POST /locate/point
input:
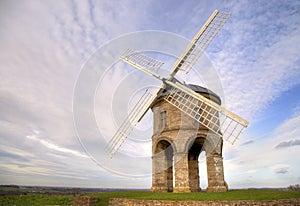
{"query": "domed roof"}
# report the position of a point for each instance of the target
(203, 90)
(198, 89)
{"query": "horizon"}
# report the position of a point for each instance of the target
(115, 188)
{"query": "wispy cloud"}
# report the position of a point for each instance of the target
(247, 142)
(266, 155)
(43, 45)
(281, 169)
(288, 144)
(54, 147)
(288, 130)
(257, 54)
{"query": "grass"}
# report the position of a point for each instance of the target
(36, 200)
(200, 196)
(104, 197)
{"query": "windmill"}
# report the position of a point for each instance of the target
(214, 117)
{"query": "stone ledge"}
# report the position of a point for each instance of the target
(135, 202)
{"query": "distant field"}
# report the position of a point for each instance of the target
(43, 199)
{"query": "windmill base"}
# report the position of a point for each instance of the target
(159, 189)
(181, 189)
(217, 189)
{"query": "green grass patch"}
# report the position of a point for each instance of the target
(199, 196)
(36, 200)
(40, 200)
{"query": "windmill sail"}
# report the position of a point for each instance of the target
(149, 66)
(142, 62)
(129, 123)
(200, 42)
(216, 118)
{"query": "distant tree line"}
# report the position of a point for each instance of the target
(294, 187)
(11, 186)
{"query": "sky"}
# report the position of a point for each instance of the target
(64, 92)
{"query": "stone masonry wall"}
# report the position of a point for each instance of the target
(169, 132)
(80, 200)
(133, 202)
(178, 133)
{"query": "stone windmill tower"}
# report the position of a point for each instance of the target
(187, 120)
(176, 145)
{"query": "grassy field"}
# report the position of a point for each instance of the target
(36, 200)
(104, 197)
(230, 195)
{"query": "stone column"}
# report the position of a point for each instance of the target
(169, 175)
(215, 174)
(159, 174)
(181, 173)
(194, 175)
(169, 169)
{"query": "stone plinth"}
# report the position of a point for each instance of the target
(80, 200)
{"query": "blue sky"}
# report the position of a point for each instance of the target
(45, 46)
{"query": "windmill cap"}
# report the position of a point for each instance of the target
(201, 90)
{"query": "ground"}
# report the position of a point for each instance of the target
(50, 199)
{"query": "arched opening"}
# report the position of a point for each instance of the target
(193, 164)
(163, 166)
(202, 170)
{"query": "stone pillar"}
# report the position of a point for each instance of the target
(181, 173)
(169, 173)
(194, 175)
(215, 174)
(159, 174)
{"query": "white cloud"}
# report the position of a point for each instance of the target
(257, 55)
(288, 143)
(43, 45)
(29, 170)
(54, 147)
(288, 130)
(281, 169)
(16, 151)
(267, 157)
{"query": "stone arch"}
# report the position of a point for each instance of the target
(163, 138)
(190, 141)
(162, 165)
(194, 148)
(212, 145)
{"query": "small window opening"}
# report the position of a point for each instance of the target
(163, 119)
